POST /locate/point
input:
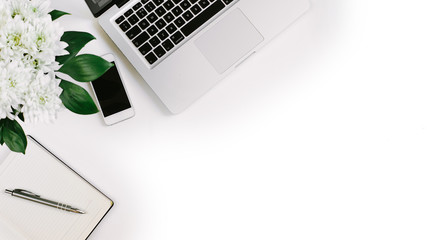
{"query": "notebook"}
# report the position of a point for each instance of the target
(41, 172)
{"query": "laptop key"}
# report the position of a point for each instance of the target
(169, 17)
(146, 48)
(177, 38)
(187, 15)
(152, 18)
(154, 41)
(177, 11)
(120, 19)
(160, 11)
(171, 28)
(204, 3)
(163, 35)
(195, 9)
(144, 24)
(142, 38)
(158, 2)
(125, 26)
(193, 1)
(128, 13)
(179, 22)
(150, 7)
(159, 51)
(168, 5)
(137, 6)
(133, 32)
(151, 58)
(141, 13)
(160, 24)
(204, 16)
(167, 45)
(133, 19)
(228, 1)
(152, 30)
(185, 5)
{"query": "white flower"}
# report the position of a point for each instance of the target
(42, 101)
(5, 15)
(29, 44)
(40, 8)
(15, 80)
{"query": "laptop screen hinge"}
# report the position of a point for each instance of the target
(120, 3)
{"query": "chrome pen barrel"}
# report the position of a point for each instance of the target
(36, 198)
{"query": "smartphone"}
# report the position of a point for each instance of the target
(111, 95)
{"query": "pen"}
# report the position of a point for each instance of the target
(27, 195)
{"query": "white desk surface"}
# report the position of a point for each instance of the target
(322, 135)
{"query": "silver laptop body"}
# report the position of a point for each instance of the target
(182, 48)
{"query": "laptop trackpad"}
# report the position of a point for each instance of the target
(229, 40)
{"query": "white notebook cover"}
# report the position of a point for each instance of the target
(41, 172)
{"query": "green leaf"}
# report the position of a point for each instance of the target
(21, 116)
(77, 99)
(86, 67)
(1, 132)
(55, 14)
(76, 41)
(14, 136)
(18, 113)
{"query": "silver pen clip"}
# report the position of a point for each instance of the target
(25, 192)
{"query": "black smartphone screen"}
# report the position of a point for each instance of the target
(111, 93)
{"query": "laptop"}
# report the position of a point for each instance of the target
(183, 48)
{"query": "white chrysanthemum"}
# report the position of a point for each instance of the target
(5, 15)
(38, 8)
(42, 101)
(29, 44)
(43, 43)
(15, 33)
(15, 80)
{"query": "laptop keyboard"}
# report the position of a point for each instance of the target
(156, 27)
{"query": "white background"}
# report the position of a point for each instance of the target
(322, 135)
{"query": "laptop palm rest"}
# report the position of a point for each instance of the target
(228, 41)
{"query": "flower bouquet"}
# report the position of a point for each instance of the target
(33, 49)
